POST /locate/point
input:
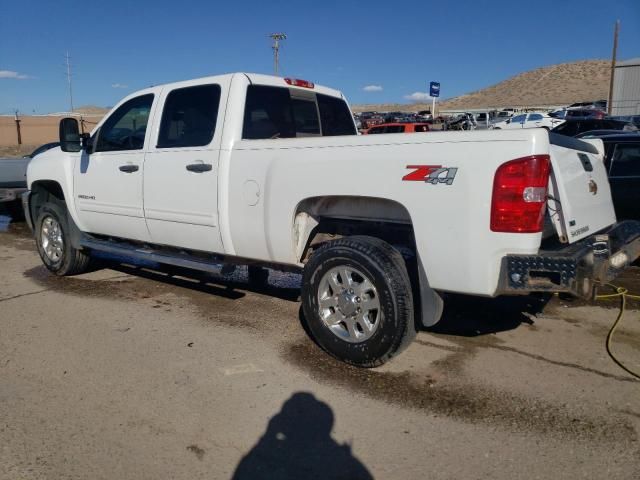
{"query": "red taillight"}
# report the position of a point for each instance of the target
(299, 83)
(520, 195)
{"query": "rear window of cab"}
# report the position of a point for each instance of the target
(277, 112)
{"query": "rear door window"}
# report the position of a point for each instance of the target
(189, 117)
(626, 161)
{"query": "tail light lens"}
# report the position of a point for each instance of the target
(520, 194)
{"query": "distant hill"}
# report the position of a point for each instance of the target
(91, 110)
(560, 84)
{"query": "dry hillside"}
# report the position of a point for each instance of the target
(553, 85)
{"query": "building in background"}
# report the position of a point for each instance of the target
(626, 88)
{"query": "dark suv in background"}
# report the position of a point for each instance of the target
(622, 159)
(573, 127)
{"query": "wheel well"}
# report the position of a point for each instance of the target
(321, 219)
(44, 191)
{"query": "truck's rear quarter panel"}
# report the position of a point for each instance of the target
(451, 222)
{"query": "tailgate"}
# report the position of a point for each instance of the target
(579, 195)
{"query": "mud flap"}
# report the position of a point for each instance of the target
(431, 303)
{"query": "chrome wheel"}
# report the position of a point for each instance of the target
(51, 239)
(348, 304)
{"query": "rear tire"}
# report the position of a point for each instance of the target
(53, 241)
(357, 300)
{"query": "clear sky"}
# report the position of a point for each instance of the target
(394, 48)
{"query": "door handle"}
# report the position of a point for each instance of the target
(199, 167)
(129, 168)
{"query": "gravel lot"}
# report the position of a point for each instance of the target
(134, 373)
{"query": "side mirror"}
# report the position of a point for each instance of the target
(69, 135)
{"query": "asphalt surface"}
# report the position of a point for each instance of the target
(136, 372)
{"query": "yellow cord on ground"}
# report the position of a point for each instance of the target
(623, 293)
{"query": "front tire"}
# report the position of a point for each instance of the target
(357, 300)
(54, 242)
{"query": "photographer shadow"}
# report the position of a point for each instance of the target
(298, 445)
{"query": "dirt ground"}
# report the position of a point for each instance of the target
(131, 372)
(36, 130)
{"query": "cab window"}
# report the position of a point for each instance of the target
(277, 112)
(305, 115)
(335, 116)
(125, 129)
(268, 113)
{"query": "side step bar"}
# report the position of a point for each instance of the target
(212, 264)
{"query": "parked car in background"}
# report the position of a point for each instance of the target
(601, 133)
(622, 160)
(423, 115)
(407, 127)
(528, 120)
(573, 127)
(391, 117)
(368, 121)
(466, 121)
(584, 113)
(635, 119)
(598, 104)
(13, 173)
(483, 120)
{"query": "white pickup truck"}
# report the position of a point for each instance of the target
(268, 171)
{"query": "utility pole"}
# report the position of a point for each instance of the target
(613, 66)
(277, 37)
(68, 58)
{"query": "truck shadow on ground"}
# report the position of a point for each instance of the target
(231, 286)
(469, 316)
(298, 445)
(10, 213)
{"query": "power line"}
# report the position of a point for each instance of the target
(277, 37)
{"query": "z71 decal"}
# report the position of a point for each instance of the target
(432, 174)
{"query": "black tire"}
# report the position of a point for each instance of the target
(71, 261)
(258, 276)
(385, 268)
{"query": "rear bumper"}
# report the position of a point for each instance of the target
(576, 268)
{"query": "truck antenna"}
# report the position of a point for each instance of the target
(277, 37)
